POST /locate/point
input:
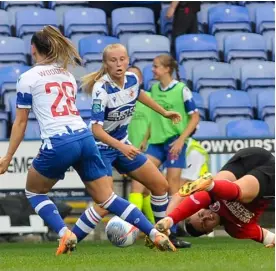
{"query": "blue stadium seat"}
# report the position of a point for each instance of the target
(148, 77)
(188, 67)
(5, 29)
(266, 104)
(33, 19)
(61, 7)
(12, 105)
(270, 121)
(228, 18)
(78, 73)
(200, 24)
(91, 48)
(200, 105)
(229, 103)
(70, 4)
(247, 129)
(7, 5)
(3, 124)
(253, 6)
(213, 75)
(256, 77)
(203, 13)
(273, 49)
(93, 66)
(80, 22)
(207, 129)
(182, 74)
(196, 47)
(269, 39)
(13, 7)
(244, 46)
(12, 51)
(261, 74)
(32, 129)
(265, 18)
(83, 103)
(132, 20)
(142, 49)
(8, 78)
(165, 24)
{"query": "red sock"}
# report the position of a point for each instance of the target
(226, 190)
(190, 205)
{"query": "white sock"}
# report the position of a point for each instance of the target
(210, 187)
(152, 234)
(62, 231)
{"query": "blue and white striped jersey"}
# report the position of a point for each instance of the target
(113, 106)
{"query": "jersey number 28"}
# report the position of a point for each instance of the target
(69, 107)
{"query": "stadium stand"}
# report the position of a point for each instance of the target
(60, 7)
(8, 78)
(207, 129)
(226, 105)
(12, 7)
(31, 20)
(83, 103)
(258, 77)
(244, 46)
(129, 21)
(211, 77)
(91, 48)
(81, 22)
(241, 34)
(165, 23)
(5, 28)
(200, 105)
(247, 129)
(148, 77)
(196, 47)
(3, 124)
(12, 51)
(265, 19)
(142, 49)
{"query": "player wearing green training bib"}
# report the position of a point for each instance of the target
(167, 145)
(167, 141)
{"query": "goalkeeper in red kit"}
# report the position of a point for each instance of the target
(235, 198)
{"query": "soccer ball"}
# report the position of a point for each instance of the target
(120, 233)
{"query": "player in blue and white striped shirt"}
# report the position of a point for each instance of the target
(114, 94)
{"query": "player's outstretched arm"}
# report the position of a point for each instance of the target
(187, 207)
(149, 102)
(17, 134)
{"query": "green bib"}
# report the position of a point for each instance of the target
(139, 123)
(172, 100)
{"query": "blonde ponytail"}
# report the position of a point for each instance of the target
(89, 80)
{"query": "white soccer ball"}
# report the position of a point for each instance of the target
(120, 233)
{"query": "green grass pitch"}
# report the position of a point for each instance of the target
(214, 254)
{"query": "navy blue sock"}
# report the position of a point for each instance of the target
(48, 211)
(86, 223)
(128, 212)
(159, 206)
